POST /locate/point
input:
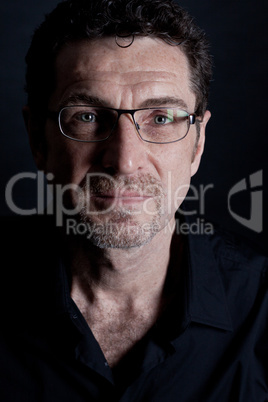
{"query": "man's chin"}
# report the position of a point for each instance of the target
(125, 238)
(122, 229)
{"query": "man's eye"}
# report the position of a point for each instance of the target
(162, 120)
(87, 117)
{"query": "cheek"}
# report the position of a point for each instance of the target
(176, 162)
(68, 160)
(175, 172)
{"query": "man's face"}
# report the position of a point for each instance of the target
(126, 188)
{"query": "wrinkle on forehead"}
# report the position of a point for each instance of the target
(146, 55)
(78, 73)
(94, 83)
(146, 67)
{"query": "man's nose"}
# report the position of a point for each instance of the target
(125, 152)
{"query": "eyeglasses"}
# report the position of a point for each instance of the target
(93, 123)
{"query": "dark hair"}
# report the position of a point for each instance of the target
(74, 20)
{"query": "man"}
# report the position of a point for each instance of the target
(108, 300)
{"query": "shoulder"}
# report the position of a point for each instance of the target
(229, 266)
(16, 224)
(24, 233)
(239, 251)
(28, 255)
(242, 267)
(27, 238)
(212, 240)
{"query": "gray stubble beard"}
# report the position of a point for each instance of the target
(119, 228)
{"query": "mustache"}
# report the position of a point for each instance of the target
(143, 185)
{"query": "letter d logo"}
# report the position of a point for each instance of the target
(256, 197)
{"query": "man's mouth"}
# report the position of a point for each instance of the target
(119, 197)
(106, 193)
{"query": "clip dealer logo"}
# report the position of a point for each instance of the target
(249, 214)
(254, 188)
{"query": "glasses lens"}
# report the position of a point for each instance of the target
(162, 125)
(84, 123)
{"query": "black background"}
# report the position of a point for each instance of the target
(237, 140)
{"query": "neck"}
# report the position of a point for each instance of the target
(130, 275)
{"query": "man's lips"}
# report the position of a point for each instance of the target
(128, 196)
(121, 194)
(141, 187)
(125, 194)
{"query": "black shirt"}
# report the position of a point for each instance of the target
(213, 348)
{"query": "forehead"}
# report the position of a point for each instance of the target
(147, 67)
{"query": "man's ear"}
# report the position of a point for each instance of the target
(36, 138)
(199, 148)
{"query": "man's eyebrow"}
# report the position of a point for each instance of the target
(164, 101)
(80, 98)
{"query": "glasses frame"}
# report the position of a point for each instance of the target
(57, 116)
